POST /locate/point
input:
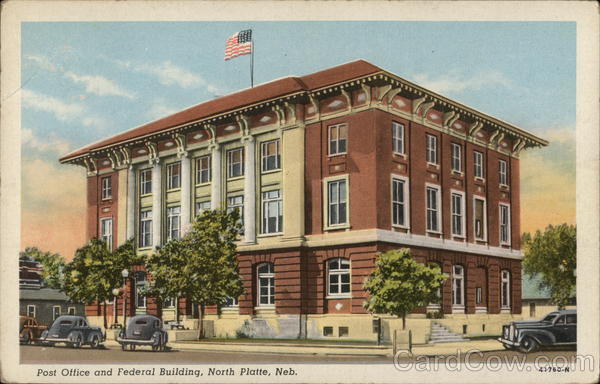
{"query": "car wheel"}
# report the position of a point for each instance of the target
(77, 342)
(95, 343)
(529, 345)
(123, 347)
(132, 347)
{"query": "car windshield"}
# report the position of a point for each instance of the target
(66, 322)
(140, 322)
(550, 317)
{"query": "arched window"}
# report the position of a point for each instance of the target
(266, 285)
(338, 277)
(458, 286)
(505, 289)
(140, 284)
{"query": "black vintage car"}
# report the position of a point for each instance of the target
(555, 329)
(143, 330)
(74, 331)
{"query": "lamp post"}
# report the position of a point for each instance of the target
(125, 274)
(115, 293)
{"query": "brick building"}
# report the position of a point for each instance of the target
(329, 170)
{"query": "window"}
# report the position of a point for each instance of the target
(478, 295)
(31, 310)
(479, 216)
(343, 331)
(266, 285)
(169, 302)
(203, 170)
(55, 312)
(145, 181)
(433, 209)
(531, 309)
(478, 164)
(140, 286)
(327, 331)
(272, 221)
(505, 289)
(145, 229)
(174, 175)
(399, 201)
(270, 155)
(432, 149)
(458, 215)
(456, 158)
(202, 206)
(235, 163)
(458, 279)
(502, 172)
(571, 319)
(71, 311)
(338, 276)
(231, 302)
(173, 223)
(337, 202)
(338, 137)
(106, 188)
(237, 202)
(504, 224)
(397, 137)
(106, 232)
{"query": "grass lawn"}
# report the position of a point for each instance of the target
(296, 341)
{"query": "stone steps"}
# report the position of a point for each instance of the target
(441, 334)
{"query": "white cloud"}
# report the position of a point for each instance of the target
(42, 62)
(96, 122)
(49, 143)
(456, 82)
(61, 110)
(99, 85)
(159, 109)
(169, 74)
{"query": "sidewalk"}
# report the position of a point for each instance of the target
(330, 349)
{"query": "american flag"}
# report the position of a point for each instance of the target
(239, 44)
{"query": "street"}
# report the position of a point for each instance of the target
(113, 354)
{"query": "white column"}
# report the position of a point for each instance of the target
(215, 193)
(186, 193)
(156, 204)
(249, 191)
(131, 202)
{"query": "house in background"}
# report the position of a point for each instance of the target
(536, 302)
(43, 303)
(328, 170)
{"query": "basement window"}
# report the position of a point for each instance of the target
(327, 331)
(343, 331)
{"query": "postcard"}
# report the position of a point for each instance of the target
(299, 192)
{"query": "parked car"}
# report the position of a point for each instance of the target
(29, 330)
(74, 331)
(143, 330)
(557, 328)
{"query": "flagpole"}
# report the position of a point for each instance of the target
(252, 66)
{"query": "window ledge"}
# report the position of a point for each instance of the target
(436, 166)
(146, 248)
(174, 189)
(458, 237)
(459, 173)
(203, 184)
(334, 227)
(146, 194)
(504, 186)
(266, 308)
(337, 154)
(234, 178)
(230, 309)
(402, 155)
(333, 297)
(106, 199)
(262, 235)
(429, 232)
(477, 178)
(504, 244)
(458, 308)
(270, 171)
(399, 226)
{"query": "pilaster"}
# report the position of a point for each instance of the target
(293, 183)
(131, 182)
(215, 192)
(156, 204)
(186, 179)
(249, 190)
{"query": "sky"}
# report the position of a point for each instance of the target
(84, 81)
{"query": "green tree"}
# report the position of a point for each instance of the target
(399, 284)
(52, 264)
(552, 255)
(95, 271)
(201, 267)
